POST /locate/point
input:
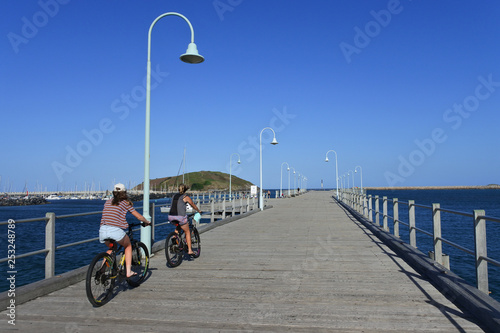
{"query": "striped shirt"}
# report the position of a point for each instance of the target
(115, 215)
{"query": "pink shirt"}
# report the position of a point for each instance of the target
(115, 215)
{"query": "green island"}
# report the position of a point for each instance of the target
(199, 181)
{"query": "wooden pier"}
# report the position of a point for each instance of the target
(305, 265)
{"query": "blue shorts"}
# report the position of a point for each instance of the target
(109, 231)
(181, 219)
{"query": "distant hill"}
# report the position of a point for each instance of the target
(199, 181)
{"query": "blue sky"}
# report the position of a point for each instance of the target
(407, 90)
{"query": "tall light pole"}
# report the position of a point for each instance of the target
(274, 142)
(350, 172)
(293, 181)
(336, 170)
(192, 57)
(361, 176)
(230, 164)
(281, 178)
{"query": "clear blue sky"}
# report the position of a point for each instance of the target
(408, 90)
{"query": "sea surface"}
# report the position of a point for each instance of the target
(455, 228)
(458, 229)
(31, 236)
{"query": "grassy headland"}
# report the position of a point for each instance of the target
(199, 181)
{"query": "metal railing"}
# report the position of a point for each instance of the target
(217, 207)
(362, 204)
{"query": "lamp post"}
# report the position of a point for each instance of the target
(230, 164)
(192, 57)
(273, 142)
(336, 170)
(349, 173)
(293, 181)
(361, 176)
(281, 178)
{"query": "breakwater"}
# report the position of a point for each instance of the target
(7, 201)
(478, 187)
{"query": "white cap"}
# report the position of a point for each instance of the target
(119, 188)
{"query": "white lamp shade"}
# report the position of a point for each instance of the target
(192, 56)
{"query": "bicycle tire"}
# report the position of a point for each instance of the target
(140, 264)
(100, 280)
(174, 251)
(195, 242)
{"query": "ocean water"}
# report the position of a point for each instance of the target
(455, 228)
(31, 236)
(458, 229)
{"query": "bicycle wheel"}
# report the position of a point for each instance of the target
(101, 277)
(140, 264)
(173, 249)
(195, 242)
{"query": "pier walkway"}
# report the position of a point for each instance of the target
(304, 265)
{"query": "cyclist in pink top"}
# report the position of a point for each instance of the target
(114, 222)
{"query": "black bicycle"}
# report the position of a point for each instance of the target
(105, 269)
(176, 246)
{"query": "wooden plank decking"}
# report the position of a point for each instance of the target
(302, 266)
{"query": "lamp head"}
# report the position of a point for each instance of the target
(192, 56)
(239, 162)
(274, 142)
(326, 159)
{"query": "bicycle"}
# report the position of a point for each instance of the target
(105, 269)
(176, 246)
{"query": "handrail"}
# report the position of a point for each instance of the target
(227, 207)
(357, 201)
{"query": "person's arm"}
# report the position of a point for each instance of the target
(141, 218)
(189, 201)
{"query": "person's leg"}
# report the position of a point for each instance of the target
(185, 227)
(125, 242)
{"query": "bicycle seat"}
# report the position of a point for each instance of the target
(112, 244)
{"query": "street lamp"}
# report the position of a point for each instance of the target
(336, 170)
(281, 178)
(351, 173)
(192, 57)
(293, 181)
(230, 164)
(274, 142)
(361, 176)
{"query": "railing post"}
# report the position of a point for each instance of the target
(248, 203)
(481, 251)
(366, 209)
(436, 222)
(224, 207)
(50, 245)
(395, 213)
(212, 209)
(384, 213)
(370, 209)
(152, 213)
(241, 204)
(411, 222)
(377, 213)
(233, 208)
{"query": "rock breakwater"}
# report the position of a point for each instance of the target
(8, 201)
